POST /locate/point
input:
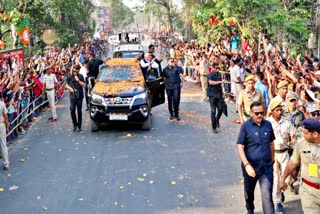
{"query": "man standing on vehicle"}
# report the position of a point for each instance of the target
(75, 84)
(92, 69)
(173, 81)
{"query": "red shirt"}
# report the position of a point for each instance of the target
(38, 87)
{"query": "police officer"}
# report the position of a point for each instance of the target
(75, 84)
(215, 94)
(307, 153)
(256, 150)
(282, 94)
(4, 129)
(283, 131)
(49, 82)
(248, 96)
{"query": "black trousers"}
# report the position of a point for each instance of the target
(216, 110)
(76, 104)
(173, 101)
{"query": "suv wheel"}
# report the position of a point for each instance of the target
(94, 126)
(147, 124)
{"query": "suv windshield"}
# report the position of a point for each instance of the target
(127, 54)
(119, 73)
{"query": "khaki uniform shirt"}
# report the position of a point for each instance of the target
(3, 110)
(246, 98)
(282, 131)
(302, 155)
(49, 80)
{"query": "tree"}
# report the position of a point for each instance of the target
(49, 13)
(121, 15)
(283, 20)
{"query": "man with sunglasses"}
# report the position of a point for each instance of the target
(307, 154)
(215, 94)
(283, 131)
(173, 81)
(256, 150)
(75, 84)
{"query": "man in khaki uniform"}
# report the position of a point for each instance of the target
(203, 70)
(283, 131)
(282, 93)
(4, 129)
(248, 96)
(49, 82)
(307, 153)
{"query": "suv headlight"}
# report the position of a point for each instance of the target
(141, 96)
(97, 99)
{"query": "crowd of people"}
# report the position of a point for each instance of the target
(277, 98)
(26, 89)
(278, 104)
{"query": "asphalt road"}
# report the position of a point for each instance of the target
(177, 167)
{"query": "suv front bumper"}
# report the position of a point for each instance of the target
(138, 114)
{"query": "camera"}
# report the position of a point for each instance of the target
(76, 93)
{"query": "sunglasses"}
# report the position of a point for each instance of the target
(259, 113)
(315, 114)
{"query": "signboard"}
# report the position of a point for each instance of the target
(49, 36)
(15, 53)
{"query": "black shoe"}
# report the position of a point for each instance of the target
(79, 130)
(178, 118)
(171, 118)
(6, 167)
(74, 129)
(215, 131)
(87, 109)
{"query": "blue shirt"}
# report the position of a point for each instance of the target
(264, 91)
(214, 90)
(256, 140)
(179, 69)
(171, 77)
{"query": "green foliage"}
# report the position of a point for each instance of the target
(121, 15)
(44, 14)
(283, 22)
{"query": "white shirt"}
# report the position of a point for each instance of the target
(282, 131)
(49, 80)
(3, 110)
(83, 71)
(172, 53)
(235, 73)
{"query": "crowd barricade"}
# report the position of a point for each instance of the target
(30, 109)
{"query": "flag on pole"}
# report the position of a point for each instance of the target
(24, 31)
